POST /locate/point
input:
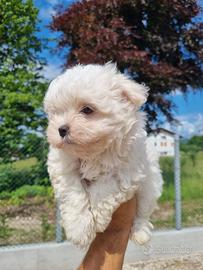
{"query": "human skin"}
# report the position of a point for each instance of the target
(108, 248)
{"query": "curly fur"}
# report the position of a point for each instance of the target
(104, 160)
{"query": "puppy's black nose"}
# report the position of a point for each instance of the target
(63, 130)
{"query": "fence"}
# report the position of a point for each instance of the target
(29, 213)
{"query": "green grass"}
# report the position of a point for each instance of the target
(191, 178)
(20, 195)
(192, 214)
(24, 164)
(191, 192)
(190, 189)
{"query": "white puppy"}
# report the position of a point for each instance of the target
(98, 154)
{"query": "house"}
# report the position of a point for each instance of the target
(163, 140)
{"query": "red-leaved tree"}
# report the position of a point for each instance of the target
(157, 42)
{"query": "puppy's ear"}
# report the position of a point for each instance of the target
(134, 92)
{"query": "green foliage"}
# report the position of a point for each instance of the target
(37, 147)
(47, 228)
(192, 147)
(5, 230)
(21, 88)
(17, 27)
(5, 195)
(29, 192)
(20, 195)
(34, 146)
(11, 179)
(191, 171)
(194, 144)
(40, 169)
(168, 193)
(17, 174)
(197, 141)
(191, 177)
(166, 164)
(190, 189)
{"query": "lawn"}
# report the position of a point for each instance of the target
(23, 164)
(191, 193)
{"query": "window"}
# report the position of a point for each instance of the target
(163, 137)
(163, 144)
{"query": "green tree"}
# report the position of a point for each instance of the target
(197, 141)
(21, 85)
(192, 146)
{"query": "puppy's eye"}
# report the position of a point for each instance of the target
(87, 110)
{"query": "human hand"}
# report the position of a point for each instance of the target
(107, 250)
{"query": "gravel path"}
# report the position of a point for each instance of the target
(189, 262)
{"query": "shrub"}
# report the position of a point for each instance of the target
(29, 191)
(166, 164)
(19, 196)
(13, 177)
(5, 195)
(10, 178)
(40, 174)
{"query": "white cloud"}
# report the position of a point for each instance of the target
(189, 125)
(51, 71)
(192, 124)
(47, 13)
(177, 92)
(49, 10)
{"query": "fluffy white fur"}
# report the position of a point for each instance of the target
(104, 160)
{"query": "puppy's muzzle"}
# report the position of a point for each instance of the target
(63, 130)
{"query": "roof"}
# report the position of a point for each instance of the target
(158, 130)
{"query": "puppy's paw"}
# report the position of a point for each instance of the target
(141, 232)
(80, 231)
(140, 237)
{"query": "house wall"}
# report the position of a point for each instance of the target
(163, 142)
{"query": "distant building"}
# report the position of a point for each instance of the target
(163, 140)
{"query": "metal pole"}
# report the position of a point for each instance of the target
(59, 235)
(177, 183)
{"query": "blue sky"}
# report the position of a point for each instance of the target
(189, 108)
